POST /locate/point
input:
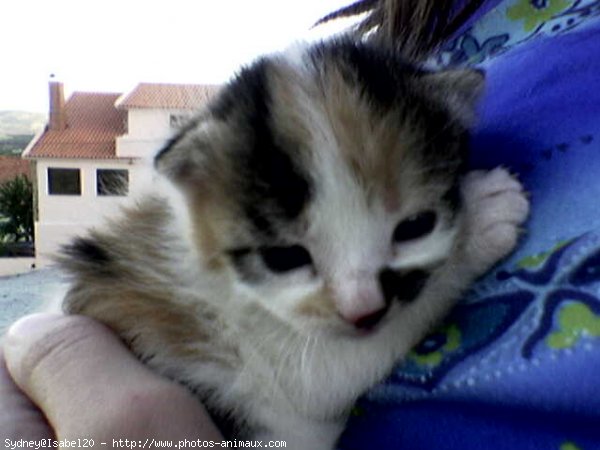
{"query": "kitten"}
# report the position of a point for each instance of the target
(320, 223)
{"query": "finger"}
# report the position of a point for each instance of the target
(90, 386)
(19, 417)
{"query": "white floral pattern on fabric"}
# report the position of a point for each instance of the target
(513, 23)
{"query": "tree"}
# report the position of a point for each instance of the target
(16, 210)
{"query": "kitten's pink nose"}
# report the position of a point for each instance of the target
(359, 301)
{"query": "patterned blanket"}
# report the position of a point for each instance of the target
(517, 364)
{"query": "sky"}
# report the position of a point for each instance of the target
(111, 45)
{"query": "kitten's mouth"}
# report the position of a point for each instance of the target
(370, 323)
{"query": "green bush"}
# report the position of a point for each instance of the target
(16, 210)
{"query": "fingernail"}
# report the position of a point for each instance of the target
(32, 324)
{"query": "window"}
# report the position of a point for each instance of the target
(64, 181)
(112, 182)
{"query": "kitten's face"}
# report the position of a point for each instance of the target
(328, 183)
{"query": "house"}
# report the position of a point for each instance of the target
(94, 152)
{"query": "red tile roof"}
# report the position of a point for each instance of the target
(167, 96)
(93, 124)
(12, 166)
(95, 120)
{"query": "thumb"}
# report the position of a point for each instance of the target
(90, 386)
(19, 418)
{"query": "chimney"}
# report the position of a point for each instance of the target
(58, 119)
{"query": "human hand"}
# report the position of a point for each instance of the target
(69, 377)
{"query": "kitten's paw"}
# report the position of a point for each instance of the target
(496, 206)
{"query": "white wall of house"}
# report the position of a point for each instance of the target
(148, 130)
(61, 217)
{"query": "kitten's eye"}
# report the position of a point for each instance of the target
(284, 259)
(415, 226)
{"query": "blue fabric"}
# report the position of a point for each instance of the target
(546, 127)
(517, 364)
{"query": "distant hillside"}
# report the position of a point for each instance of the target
(17, 128)
(14, 123)
(14, 145)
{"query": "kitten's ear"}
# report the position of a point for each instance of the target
(168, 160)
(458, 89)
(181, 159)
